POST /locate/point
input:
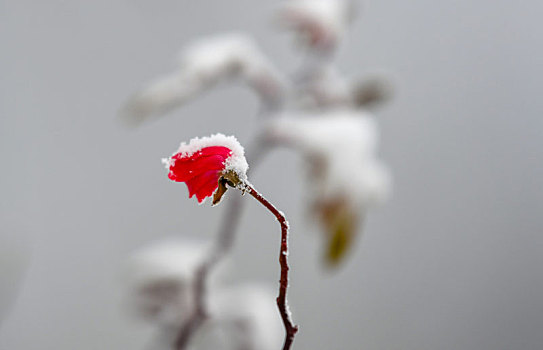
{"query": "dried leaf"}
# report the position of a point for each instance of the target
(340, 222)
(221, 190)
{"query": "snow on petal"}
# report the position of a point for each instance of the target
(236, 161)
(202, 162)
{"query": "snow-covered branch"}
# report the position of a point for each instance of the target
(202, 65)
(344, 174)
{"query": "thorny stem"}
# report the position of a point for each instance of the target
(282, 304)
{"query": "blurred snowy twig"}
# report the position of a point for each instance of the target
(203, 65)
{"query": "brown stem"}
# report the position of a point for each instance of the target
(282, 304)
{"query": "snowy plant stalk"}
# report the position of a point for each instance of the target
(225, 240)
(282, 304)
(199, 314)
(224, 243)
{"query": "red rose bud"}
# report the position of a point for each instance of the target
(206, 165)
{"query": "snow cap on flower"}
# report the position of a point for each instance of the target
(344, 172)
(207, 165)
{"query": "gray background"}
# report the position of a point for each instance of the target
(453, 261)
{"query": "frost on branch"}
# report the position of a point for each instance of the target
(202, 65)
(246, 313)
(345, 176)
(320, 23)
(207, 165)
(160, 286)
(323, 88)
(159, 280)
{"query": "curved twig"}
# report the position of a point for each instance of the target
(282, 303)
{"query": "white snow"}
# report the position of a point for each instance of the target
(160, 281)
(171, 259)
(212, 57)
(330, 18)
(340, 147)
(324, 87)
(287, 309)
(249, 314)
(235, 162)
(202, 65)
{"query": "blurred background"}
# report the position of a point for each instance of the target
(453, 260)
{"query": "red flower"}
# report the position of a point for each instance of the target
(205, 166)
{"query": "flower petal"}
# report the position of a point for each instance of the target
(203, 162)
(184, 170)
(203, 185)
(214, 150)
(204, 152)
